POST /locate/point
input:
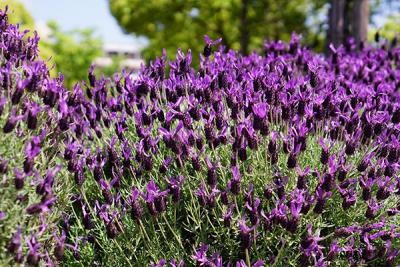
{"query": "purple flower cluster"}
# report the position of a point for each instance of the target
(288, 145)
(201, 258)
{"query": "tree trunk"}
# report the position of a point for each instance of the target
(336, 22)
(360, 20)
(244, 31)
(348, 20)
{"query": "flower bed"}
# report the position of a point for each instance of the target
(283, 159)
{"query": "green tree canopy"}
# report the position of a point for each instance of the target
(391, 28)
(243, 24)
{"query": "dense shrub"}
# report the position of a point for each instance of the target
(283, 159)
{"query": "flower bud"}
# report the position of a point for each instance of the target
(292, 161)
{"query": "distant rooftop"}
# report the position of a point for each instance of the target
(130, 53)
(123, 47)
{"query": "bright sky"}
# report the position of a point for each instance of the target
(75, 14)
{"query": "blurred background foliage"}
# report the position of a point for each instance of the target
(245, 24)
(242, 24)
(71, 53)
(389, 30)
(391, 27)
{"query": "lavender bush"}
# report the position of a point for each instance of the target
(283, 159)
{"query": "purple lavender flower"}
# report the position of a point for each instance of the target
(321, 197)
(161, 263)
(155, 198)
(302, 177)
(19, 179)
(15, 242)
(325, 152)
(258, 263)
(34, 256)
(60, 245)
(200, 256)
(349, 198)
(19, 91)
(369, 252)
(45, 185)
(209, 43)
(174, 263)
(260, 112)
(310, 246)
(201, 194)
(165, 164)
(211, 197)
(12, 121)
(133, 200)
(280, 183)
(33, 110)
(384, 188)
(234, 183)
(292, 159)
(245, 233)
(228, 216)
(211, 173)
(106, 191)
(366, 184)
(372, 209)
(174, 187)
(334, 249)
(296, 205)
(43, 206)
(253, 209)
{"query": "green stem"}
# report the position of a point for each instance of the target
(143, 230)
(236, 205)
(161, 230)
(123, 253)
(173, 232)
(279, 253)
(246, 251)
(175, 208)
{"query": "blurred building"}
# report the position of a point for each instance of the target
(128, 55)
(118, 56)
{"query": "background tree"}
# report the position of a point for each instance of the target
(351, 18)
(71, 52)
(360, 20)
(336, 21)
(242, 24)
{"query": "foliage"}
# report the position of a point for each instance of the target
(168, 24)
(71, 52)
(391, 28)
(284, 158)
(389, 31)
